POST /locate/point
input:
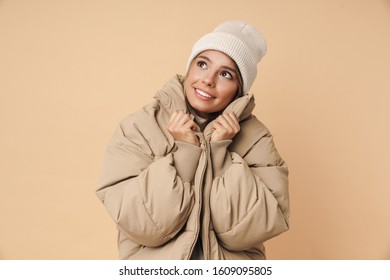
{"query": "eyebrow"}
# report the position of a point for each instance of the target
(224, 66)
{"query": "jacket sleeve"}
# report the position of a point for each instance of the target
(249, 200)
(148, 198)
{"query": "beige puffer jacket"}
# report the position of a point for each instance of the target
(165, 195)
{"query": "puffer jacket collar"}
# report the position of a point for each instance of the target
(171, 96)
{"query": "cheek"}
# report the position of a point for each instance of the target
(229, 92)
(189, 81)
(193, 73)
(188, 89)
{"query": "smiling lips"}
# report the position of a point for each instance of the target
(203, 94)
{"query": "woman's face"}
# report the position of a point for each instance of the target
(212, 82)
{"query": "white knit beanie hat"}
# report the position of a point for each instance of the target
(239, 40)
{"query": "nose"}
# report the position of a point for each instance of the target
(208, 79)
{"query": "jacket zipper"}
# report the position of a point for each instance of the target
(200, 193)
(206, 213)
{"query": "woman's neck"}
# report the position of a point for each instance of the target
(201, 119)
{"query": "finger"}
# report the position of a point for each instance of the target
(176, 115)
(182, 119)
(233, 116)
(217, 126)
(172, 121)
(172, 117)
(224, 121)
(176, 119)
(175, 122)
(189, 124)
(233, 121)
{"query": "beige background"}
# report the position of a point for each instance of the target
(71, 70)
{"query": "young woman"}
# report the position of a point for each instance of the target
(194, 175)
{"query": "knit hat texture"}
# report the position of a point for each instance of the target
(239, 40)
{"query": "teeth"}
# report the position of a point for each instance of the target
(203, 93)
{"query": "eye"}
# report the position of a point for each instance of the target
(226, 75)
(202, 64)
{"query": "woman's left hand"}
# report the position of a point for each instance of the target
(225, 127)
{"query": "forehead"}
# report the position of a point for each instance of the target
(218, 58)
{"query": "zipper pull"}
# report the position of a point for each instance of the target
(202, 140)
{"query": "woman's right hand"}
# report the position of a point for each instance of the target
(182, 128)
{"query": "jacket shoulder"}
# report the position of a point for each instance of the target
(146, 130)
(255, 144)
(251, 131)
